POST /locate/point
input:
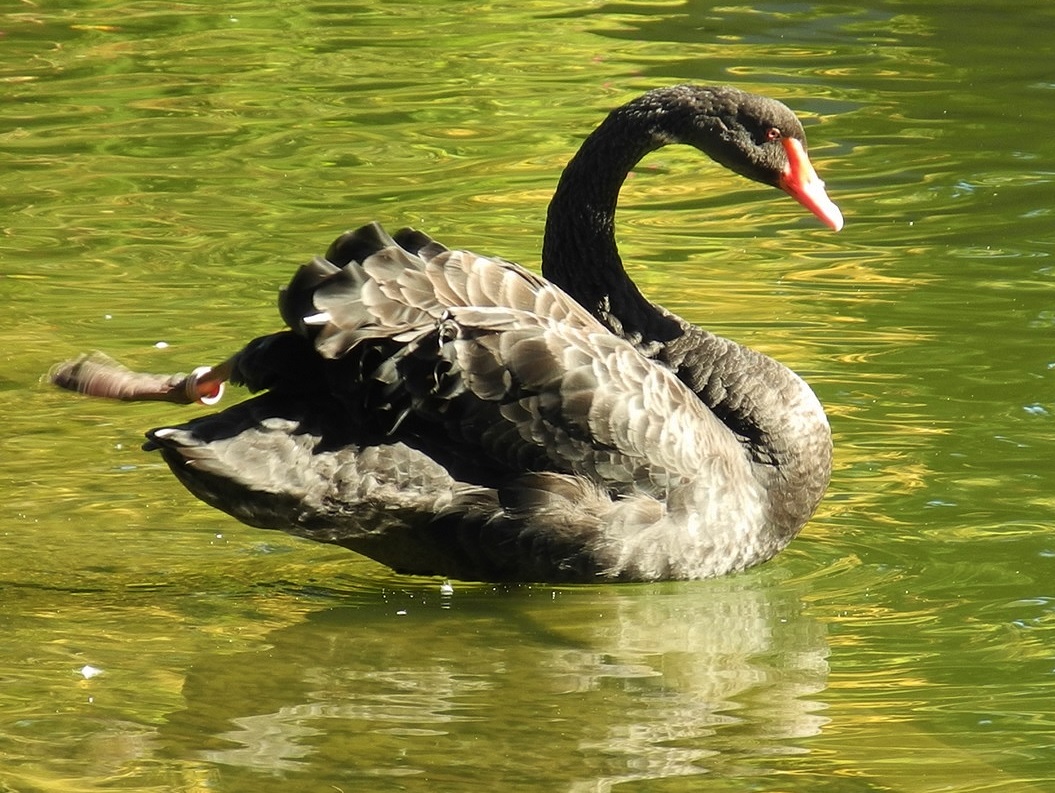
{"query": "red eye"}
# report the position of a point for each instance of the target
(772, 134)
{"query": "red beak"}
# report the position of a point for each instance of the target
(801, 182)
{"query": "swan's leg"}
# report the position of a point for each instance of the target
(99, 375)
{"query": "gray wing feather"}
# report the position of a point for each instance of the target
(577, 394)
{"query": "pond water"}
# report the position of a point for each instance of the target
(165, 165)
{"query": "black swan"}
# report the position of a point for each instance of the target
(450, 414)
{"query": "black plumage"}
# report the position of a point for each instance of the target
(447, 413)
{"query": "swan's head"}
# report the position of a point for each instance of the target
(755, 136)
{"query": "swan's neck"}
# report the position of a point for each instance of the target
(579, 251)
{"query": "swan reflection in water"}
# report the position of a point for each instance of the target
(573, 689)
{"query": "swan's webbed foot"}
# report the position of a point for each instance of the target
(98, 375)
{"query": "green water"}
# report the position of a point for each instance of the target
(163, 166)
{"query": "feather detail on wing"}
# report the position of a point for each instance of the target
(506, 362)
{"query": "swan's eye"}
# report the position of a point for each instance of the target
(772, 134)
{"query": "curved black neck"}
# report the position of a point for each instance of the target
(579, 251)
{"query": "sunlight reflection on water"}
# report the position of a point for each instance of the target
(167, 166)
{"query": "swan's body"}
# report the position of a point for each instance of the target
(446, 413)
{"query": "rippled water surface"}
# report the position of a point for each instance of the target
(165, 165)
